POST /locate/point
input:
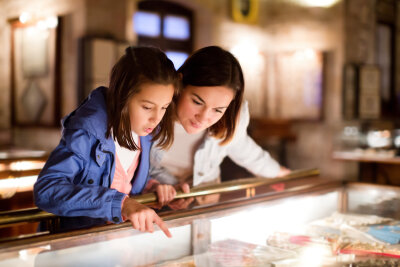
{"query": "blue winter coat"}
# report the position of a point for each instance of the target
(76, 178)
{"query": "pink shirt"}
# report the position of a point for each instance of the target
(122, 179)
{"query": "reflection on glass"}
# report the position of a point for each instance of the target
(146, 23)
(21, 165)
(257, 223)
(177, 58)
(8, 187)
(176, 27)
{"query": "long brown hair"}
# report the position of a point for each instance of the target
(139, 65)
(214, 66)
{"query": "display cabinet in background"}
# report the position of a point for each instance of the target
(19, 169)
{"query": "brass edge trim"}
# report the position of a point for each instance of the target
(35, 214)
(229, 186)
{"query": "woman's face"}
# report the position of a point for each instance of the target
(147, 108)
(199, 107)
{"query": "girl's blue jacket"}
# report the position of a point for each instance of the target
(76, 178)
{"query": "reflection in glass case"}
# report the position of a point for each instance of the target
(315, 224)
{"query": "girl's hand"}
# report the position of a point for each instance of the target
(142, 217)
(165, 193)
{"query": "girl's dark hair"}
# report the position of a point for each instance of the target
(138, 66)
(214, 66)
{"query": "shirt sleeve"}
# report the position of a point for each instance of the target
(246, 153)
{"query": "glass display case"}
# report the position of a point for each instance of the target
(19, 169)
(260, 227)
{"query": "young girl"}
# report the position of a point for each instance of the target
(212, 121)
(103, 155)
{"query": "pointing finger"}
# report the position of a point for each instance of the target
(162, 225)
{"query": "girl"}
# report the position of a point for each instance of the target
(103, 155)
(211, 123)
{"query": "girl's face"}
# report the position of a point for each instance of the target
(199, 107)
(147, 108)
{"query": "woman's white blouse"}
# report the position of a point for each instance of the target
(209, 155)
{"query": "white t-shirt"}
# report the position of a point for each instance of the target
(125, 155)
(179, 158)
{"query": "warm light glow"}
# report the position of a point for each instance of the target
(8, 187)
(17, 182)
(41, 25)
(24, 17)
(30, 253)
(25, 165)
(257, 223)
(246, 51)
(317, 3)
(307, 54)
(314, 255)
(52, 22)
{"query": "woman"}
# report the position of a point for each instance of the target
(103, 155)
(211, 123)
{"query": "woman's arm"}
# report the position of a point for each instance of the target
(246, 153)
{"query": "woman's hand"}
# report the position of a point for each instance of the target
(142, 217)
(283, 171)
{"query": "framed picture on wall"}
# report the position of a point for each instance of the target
(369, 92)
(300, 81)
(98, 58)
(35, 73)
(245, 11)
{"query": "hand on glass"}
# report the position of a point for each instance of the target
(142, 217)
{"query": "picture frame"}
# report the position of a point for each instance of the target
(300, 84)
(98, 56)
(245, 11)
(369, 106)
(35, 75)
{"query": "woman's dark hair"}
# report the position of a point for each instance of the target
(214, 66)
(138, 66)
